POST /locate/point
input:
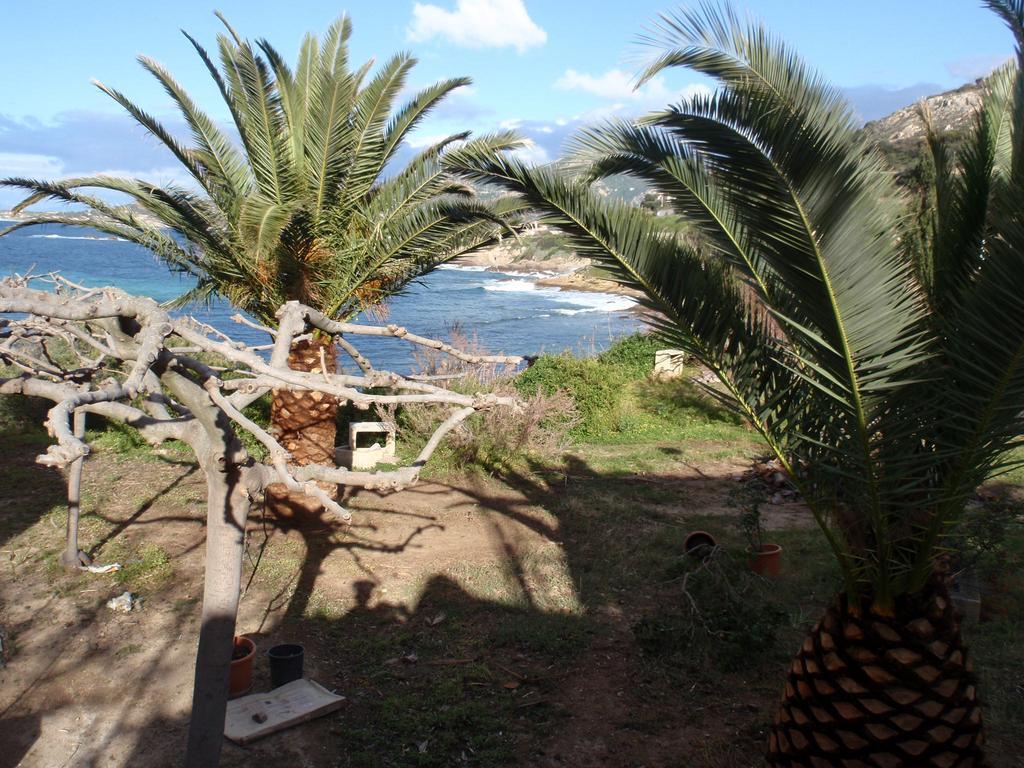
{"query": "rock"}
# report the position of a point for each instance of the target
(124, 603)
(951, 111)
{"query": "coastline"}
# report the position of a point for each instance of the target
(567, 273)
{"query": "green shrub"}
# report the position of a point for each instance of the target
(632, 355)
(596, 389)
(600, 386)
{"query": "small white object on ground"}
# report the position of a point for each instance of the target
(110, 568)
(124, 602)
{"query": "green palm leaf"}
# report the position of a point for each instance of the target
(301, 208)
(865, 357)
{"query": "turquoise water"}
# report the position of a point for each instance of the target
(507, 314)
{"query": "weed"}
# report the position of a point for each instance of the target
(127, 650)
(595, 389)
(724, 614)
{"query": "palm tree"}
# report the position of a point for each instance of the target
(882, 366)
(307, 205)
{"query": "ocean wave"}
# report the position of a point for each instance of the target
(78, 237)
(463, 268)
(502, 272)
(585, 301)
(519, 286)
(596, 302)
(530, 275)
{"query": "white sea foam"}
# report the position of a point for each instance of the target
(481, 268)
(596, 302)
(78, 237)
(518, 286)
(463, 267)
(585, 301)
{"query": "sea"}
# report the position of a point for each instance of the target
(500, 313)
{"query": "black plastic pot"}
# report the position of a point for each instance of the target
(285, 664)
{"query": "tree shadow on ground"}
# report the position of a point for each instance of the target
(479, 664)
(31, 490)
(536, 622)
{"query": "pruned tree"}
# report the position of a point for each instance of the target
(125, 358)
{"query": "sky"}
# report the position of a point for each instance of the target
(544, 67)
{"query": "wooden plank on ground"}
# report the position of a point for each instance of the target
(261, 714)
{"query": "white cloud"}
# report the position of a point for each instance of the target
(30, 165)
(533, 153)
(613, 84)
(477, 24)
(619, 85)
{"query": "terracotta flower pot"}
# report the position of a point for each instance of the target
(240, 682)
(699, 543)
(765, 560)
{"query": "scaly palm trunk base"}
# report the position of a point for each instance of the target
(873, 690)
(305, 425)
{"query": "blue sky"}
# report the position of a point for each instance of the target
(545, 67)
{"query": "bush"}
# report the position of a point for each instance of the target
(598, 386)
(594, 389)
(725, 612)
(633, 355)
(983, 539)
(499, 440)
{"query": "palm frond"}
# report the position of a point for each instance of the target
(299, 208)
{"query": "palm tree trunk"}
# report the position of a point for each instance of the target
(874, 690)
(304, 423)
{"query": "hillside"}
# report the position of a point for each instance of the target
(952, 111)
(901, 135)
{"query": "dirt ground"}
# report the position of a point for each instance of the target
(466, 623)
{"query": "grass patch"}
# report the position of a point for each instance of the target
(618, 403)
(114, 437)
(147, 568)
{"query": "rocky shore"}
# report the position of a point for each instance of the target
(564, 270)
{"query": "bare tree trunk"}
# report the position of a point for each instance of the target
(228, 508)
(186, 399)
(72, 558)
